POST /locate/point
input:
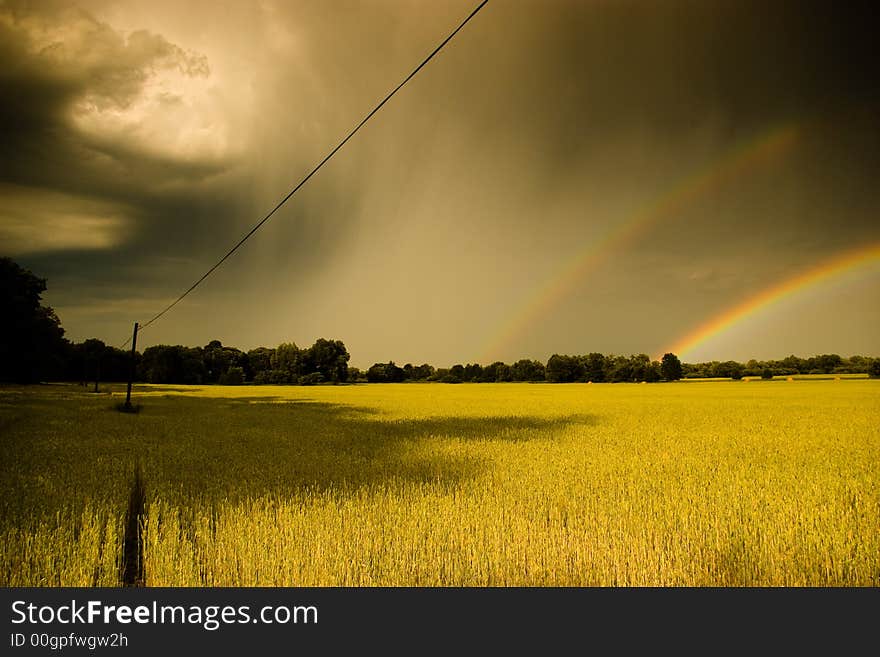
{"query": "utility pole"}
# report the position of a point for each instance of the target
(134, 338)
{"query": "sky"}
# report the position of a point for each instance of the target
(564, 177)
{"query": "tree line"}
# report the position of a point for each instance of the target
(601, 368)
(558, 369)
(824, 364)
(33, 348)
(326, 361)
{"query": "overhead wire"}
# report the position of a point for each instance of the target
(311, 173)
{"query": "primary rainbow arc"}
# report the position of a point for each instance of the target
(837, 265)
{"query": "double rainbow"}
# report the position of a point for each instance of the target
(738, 161)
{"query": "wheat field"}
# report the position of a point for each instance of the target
(722, 483)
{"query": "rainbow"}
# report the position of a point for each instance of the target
(839, 264)
(741, 159)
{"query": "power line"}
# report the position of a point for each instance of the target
(313, 171)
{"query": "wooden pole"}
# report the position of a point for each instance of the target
(134, 338)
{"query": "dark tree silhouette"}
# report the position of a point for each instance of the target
(670, 367)
(94, 351)
(385, 373)
(329, 358)
(594, 367)
(32, 343)
(527, 370)
(563, 369)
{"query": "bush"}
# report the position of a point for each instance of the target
(271, 377)
(311, 379)
(234, 376)
(767, 374)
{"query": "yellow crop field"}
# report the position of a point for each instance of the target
(686, 484)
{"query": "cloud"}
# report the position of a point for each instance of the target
(102, 67)
(81, 108)
(40, 221)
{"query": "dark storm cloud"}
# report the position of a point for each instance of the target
(577, 71)
(63, 63)
(90, 64)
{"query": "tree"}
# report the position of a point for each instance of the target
(31, 338)
(329, 358)
(456, 374)
(311, 379)
(619, 369)
(527, 370)
(652, 372)
(794, 365)
(94, 350)
(287, 361)
(563, 369)
(260, 360)
(496, 372)
(234, 376)
(218, 359)
(81, 359)
(874, 370)
(826, 363)
(393, 373)
(385, 373)
(439, 374)
(376, 373)
(423, 372)
(172, 364)
(856, 364)
(670, 367)
(640, 367)
(594, 367)
(473, 372)
(730, 369)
